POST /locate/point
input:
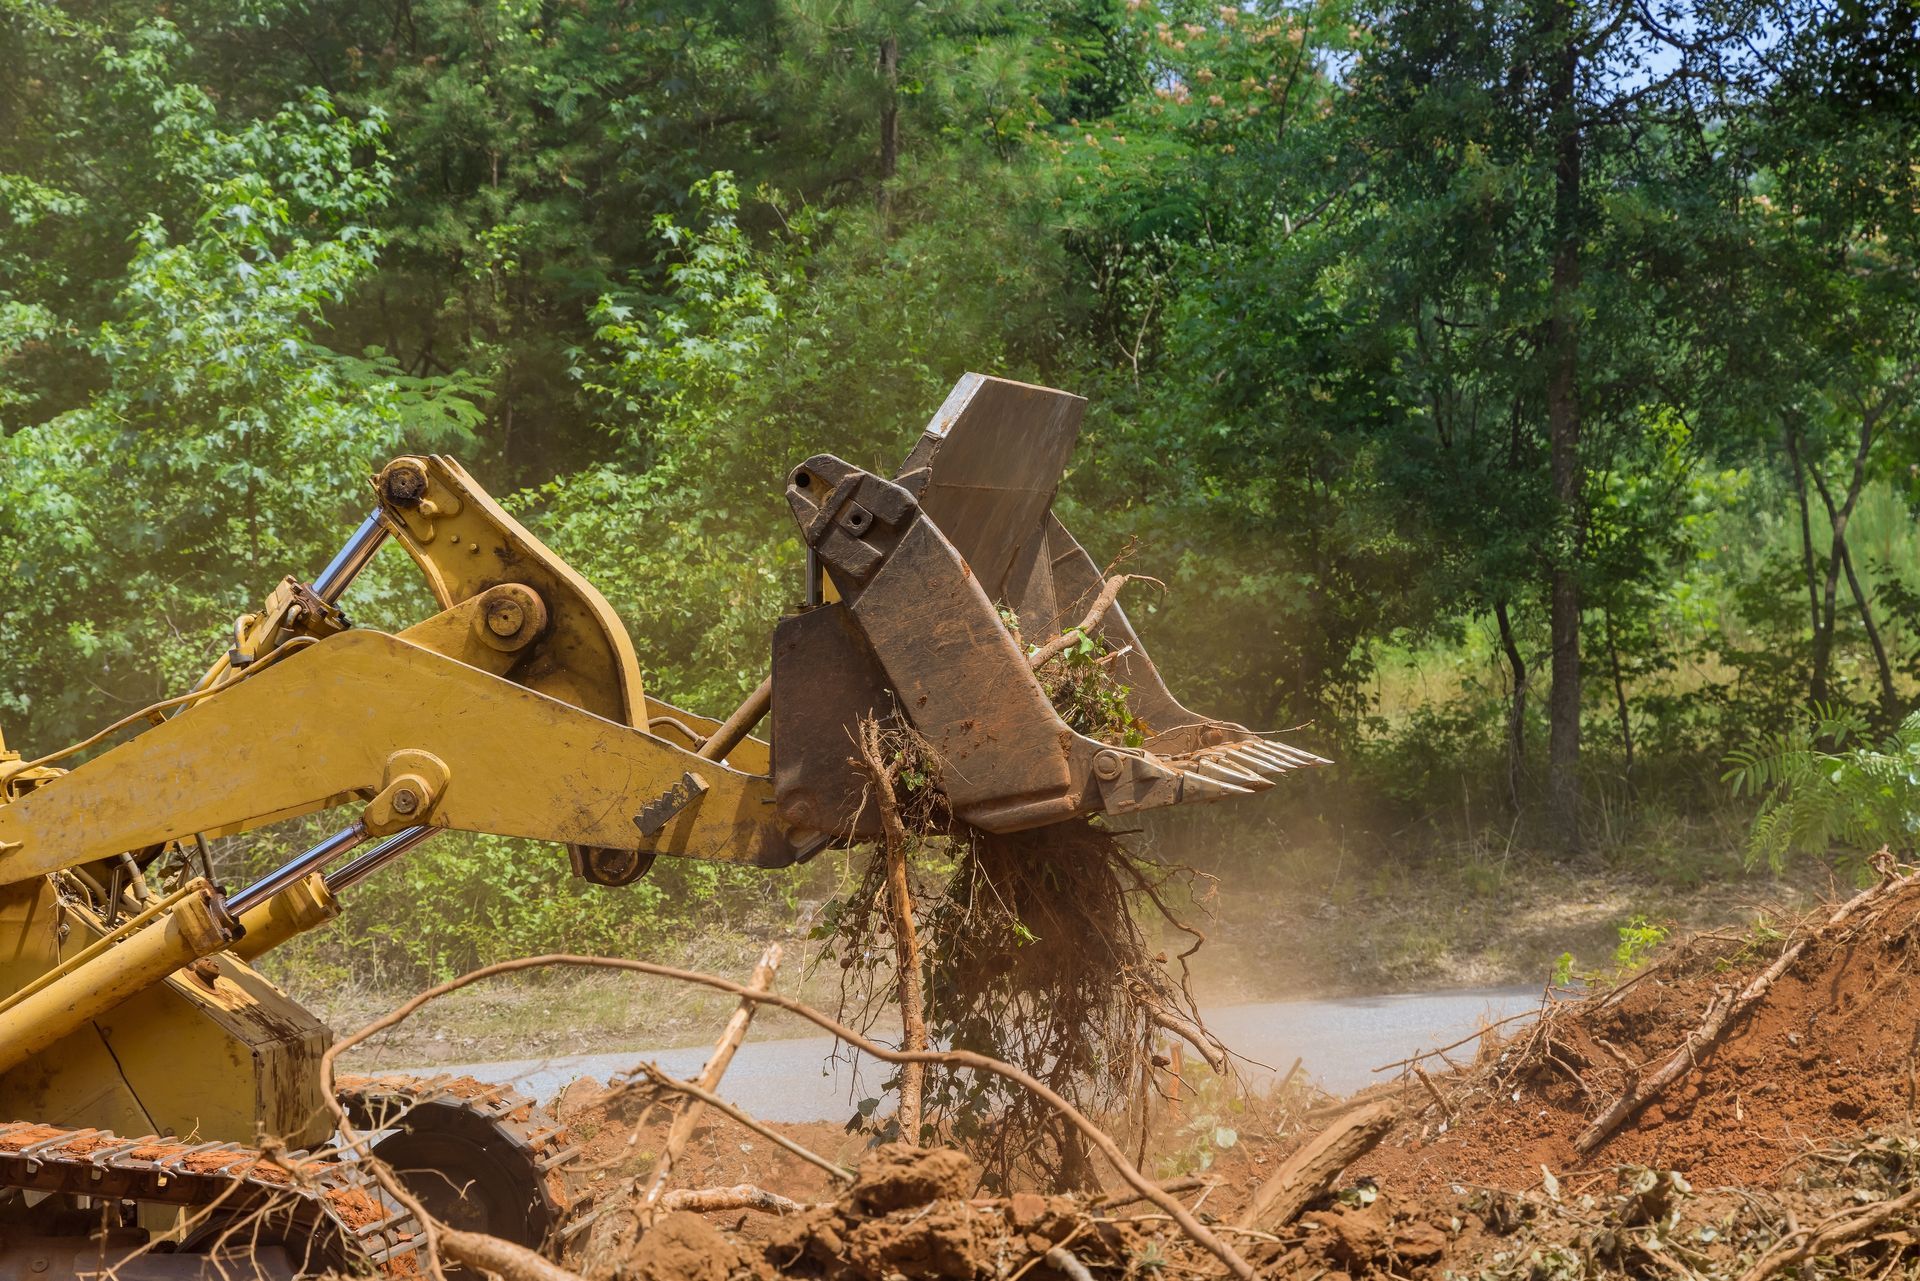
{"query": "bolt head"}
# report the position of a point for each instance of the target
(1107, 765)
(406, 801)
(505, 617)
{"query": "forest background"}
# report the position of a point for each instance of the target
(1518, 396)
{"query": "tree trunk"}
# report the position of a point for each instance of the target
(1563, 428)
(889, 127)
(1889, 696)
(1516, 709)
(1839, 515)
(1620, 694)
(1822, 638)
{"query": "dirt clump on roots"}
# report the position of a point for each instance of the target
(685, 1247)
(908, 1215)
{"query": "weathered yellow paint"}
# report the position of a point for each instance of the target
(181, 929)
(519, 764)
(302, 906)
(465, 543)
(221, 1057)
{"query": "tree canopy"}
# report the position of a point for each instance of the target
(1521, 392)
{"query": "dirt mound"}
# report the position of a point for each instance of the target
(907, 1215)
(1742, 1105)
(898, 1177)
(685, 1247)
(1825, 1052)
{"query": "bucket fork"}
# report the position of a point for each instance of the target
(922, 566)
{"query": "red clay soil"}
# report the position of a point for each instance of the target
(1784, 1106)
(1828, 1053)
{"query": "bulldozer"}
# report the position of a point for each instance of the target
(160, 1100)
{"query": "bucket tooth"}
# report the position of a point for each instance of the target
(1262, 764)
(1226, 772)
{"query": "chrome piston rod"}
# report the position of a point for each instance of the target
(364, 865)
(298, 867)
(340, 571)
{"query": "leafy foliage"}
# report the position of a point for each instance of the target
(1306, 261)
(1824, 780)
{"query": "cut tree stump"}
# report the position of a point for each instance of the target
(1309, 1173)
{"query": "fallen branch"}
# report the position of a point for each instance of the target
(1827, 1238)
(709, 1080)
(1194, 1229)
(1109, 593)
(742, 1196)
(906, 939)
(1307, 1175)
(1446, 1108)
(1118, 1199)
(653, 1074)
(1722, 1015)
(502, 1258)
(1065, 1262)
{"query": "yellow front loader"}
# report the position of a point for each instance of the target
(131, 1006)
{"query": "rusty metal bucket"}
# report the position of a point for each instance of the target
(913, 575)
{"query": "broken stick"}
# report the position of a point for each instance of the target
(741, 1196)
(1109, 593)
(906, 938)
(709, 1079)
(1307, 1175)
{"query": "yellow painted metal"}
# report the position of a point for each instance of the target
(178, 930)
(465, 543)
(518, 763)
(689, 729)
(300, 907)
(213, 1051)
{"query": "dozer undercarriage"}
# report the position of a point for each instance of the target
(132, 1006)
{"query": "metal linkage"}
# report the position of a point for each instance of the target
(333, 580)
(299, 866)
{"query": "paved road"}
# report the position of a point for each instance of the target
(1339, 1042)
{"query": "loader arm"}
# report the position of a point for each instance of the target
(372, 715)
(518, 708)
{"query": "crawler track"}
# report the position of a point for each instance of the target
(493, 1160)
(330, 1211)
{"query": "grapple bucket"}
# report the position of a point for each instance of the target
(922, 566)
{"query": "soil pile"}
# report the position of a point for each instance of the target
(909, 1214)
(1826, 1053)
(1771, 1075)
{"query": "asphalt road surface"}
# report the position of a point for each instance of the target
(1339, 1042)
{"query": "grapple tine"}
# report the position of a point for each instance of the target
(1294, 754)
(1263, 764)
(1221, 769)
(1199, 788)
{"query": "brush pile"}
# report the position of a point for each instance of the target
(1741, 1108)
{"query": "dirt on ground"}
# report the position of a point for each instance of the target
(1783, 1144)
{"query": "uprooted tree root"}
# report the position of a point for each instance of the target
(1039, 957)
(521, 1264)
(1029, 950)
